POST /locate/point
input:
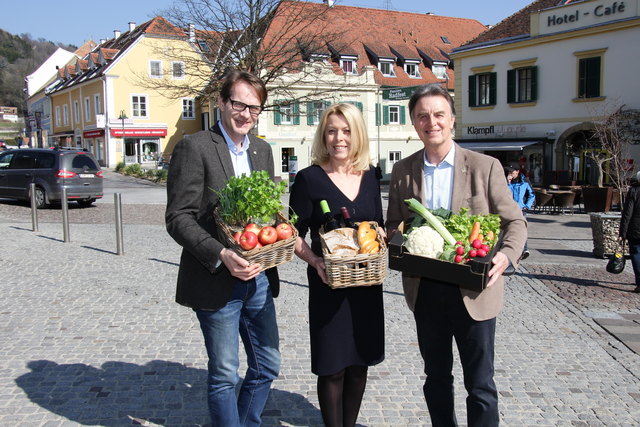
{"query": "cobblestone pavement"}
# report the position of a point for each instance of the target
(88, 337)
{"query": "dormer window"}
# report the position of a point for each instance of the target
(348, 65)
(386, 68)
(203, 46)
(318, 57)
(439, 70)
(412, 69)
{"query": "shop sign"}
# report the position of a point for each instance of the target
(93, 133)
(398, 93)
(585, 14)
(138, 133)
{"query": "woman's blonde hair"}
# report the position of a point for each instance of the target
(359, 153)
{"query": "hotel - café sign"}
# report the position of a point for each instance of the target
(584, 14)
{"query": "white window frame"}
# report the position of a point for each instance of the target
(188, 109)
(394, 112)
(153, 62)
(347, 63)
(76, 111)
(319, 107)
(439, 70)
(286, 114)
(392, 160)
(383, 64)
(96, 104)
(65, 114)
(412, 69)
(58, 117)
(136, 108)
(87, 109)
(173, 70)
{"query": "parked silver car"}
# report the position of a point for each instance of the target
(51, 170)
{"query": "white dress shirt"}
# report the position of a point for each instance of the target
(239, 157)
(438, 181)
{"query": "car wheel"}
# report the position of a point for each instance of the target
(41, 199)
(85, 203)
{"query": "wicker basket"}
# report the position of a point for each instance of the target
(267, 256)
(356, 270)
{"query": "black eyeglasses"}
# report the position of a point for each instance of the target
(241, 106)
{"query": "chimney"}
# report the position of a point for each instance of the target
(329, 2)
(103, 41)
(192, 33)
(132, 26)
(116, 34)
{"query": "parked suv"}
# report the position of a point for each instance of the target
(51, 170)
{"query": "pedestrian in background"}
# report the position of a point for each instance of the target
(347, 324)
(630, 227)
(522, 194)
(228, 295)
(445, 175)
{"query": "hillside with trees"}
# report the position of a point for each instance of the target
(19, 57)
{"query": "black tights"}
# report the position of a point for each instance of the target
(340, 396)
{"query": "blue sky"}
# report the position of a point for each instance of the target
(75, 22)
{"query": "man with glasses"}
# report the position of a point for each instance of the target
(228, 295)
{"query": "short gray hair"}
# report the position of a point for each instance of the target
(432, 89)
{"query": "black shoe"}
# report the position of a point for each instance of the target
(525, 255)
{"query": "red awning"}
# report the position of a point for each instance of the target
(93, 133)
(138, 132)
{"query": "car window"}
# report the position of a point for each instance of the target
(5, 160)
(22, 161)
(45, 160)
(81, 161)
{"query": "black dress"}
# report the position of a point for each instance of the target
(346, 325)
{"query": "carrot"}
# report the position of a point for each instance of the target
(475, 231)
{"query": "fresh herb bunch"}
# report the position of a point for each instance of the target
(253, 198)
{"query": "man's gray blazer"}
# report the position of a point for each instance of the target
(200, 164)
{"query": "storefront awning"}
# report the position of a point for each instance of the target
(497, 145)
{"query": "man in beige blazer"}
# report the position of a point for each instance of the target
(446, 175)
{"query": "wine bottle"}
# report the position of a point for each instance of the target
(346, 218)
(330, 222)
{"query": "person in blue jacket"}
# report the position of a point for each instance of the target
(522, 193)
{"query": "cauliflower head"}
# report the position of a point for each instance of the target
(425, 241)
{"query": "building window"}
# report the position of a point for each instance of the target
(76, 111)
(393, 115)
(589, 72)
(386, 68)
(96, 104)
(522, 84)
(439, 70)
(394, 157)
(203, 46)
(286, 113)
(139, 105)
(314, 111)
(58, 115)
(188, 109)
(482, 89)
(87, 109)
(177, 69)
(65, 114)
(445, 39)
(155, 69)
(348, 66)
(412, 70)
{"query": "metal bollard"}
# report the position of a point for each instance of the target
(65, 216)
(34, 208)
(119, 237)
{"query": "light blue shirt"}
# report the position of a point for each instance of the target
(239, 157)
(438, 182)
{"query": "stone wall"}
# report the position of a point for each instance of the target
(605, 228)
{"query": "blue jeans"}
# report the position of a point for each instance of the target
(634, 251)
(251, 312)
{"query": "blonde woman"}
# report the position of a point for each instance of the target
(346, 325)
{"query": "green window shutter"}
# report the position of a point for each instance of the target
(493, 81)
(511, 86)
(378, 122)
(472, 91)
(403, 118)
(277, 119)
(296, 113)
(359, 105)
(385, 115)
(534, 83)
(310, 113)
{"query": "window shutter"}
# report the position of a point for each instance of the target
(359, 105)
(511, 85)
(276, 113)
(310, 112)
(378, 122)
(534, 83)
(402, 115)
(296, 113)
(472, 91)
(493, 81)
(385, 115)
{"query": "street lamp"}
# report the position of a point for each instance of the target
(123, 117)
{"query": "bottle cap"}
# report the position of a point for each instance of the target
(324, 206)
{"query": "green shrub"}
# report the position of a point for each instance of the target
(119, 167)
(161, 175)
(133, 170)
